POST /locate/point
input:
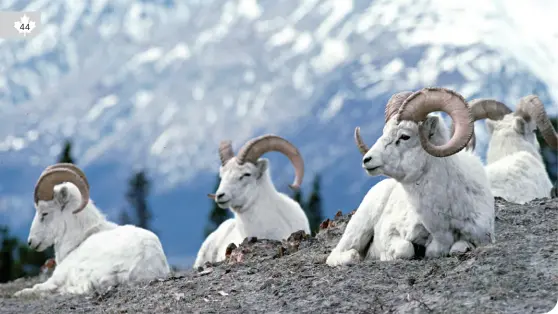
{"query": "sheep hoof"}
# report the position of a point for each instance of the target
(349, 257)
(24, 292)
(459, 248)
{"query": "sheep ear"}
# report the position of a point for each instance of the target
(62, 196)
(262, 165)
(430, 126)
(520, 125)
(490, 125)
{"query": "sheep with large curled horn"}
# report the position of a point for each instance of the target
(437, 194)
(247, 190)
(514, 162)
(90, 251)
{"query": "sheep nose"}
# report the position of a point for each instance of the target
(366, 159)
(220, 195)
(29, 242)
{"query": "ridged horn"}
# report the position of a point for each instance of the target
(531, 107)
(57, 174)
(255, 148)
(225, 151)
(417, 106)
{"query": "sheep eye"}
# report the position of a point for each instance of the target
(404, 137)
(44, 214)
(245, 175)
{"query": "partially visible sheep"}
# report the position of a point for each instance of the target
(438, 194)
(246, 188)
(90, 252)
(514, 162)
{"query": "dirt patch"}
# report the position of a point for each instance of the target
(519, 274)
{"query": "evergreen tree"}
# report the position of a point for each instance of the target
(6, 256)
(137, 198)
(297, 197)
(124, 218)
(66, 154)
(313, 206)
(217, 214)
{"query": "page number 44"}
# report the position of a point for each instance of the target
(24, 25)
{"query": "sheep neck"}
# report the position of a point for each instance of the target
(438, 176)
(77, 229)
(260, 210)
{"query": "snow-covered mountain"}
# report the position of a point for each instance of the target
(157, 84)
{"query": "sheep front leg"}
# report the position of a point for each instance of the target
(357, 235)
(398, 248)
(45, 287)
(440, 245)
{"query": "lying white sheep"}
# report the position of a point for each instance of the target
(438, 194)
(246, 188)
(514, 162)
(90, 252)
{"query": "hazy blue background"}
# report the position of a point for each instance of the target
(157, 84)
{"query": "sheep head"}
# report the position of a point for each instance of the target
(411, 137)
(531, 108)
(61, 190)
(241, 174)
(484, 108)
(516, 130)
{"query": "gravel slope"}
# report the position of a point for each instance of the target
(519, 274)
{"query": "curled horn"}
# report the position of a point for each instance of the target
(394, 103)
(225, 151)
(531, 107)
(255, 148)
(484, 108)
(417, 106)
(362, 147)
(392, 107)
(52, 176)
(72, 167)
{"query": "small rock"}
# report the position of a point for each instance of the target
(206, 272)
(325, 224)
(229, 249)
(179, 296)
(223, 293)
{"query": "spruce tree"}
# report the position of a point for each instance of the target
(297, 197)
(124, 218)
(138, 190)
(66, 154)
(313, 206)
(217, 215)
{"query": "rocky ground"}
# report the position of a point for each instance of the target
(516, 275)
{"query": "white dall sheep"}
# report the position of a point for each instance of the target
(91, 253)
(246, 188)
(438, 194)
(514, 162)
